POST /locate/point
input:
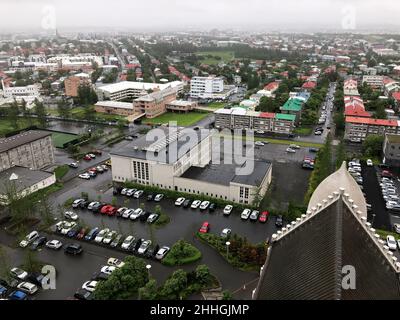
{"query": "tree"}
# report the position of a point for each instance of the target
(174, 285)
(373, 145)
(12, 114)
(227, 295)
(63, 109)
(4, 264)
(268, 104)
(149, 291)
(203, 274)
(40, 112)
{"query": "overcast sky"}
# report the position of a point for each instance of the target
(175, 14)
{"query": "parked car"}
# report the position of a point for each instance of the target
(158, 197)
(3, 292)
(204, 205)
(81, 234)
(144, 246)
(212, 207)
(370, 163)
(225, 233)
(18, 295)
(162, 252)
(115, 243)
(136, 214)
(77, 203)
(85, 176)
(120, 211)
(38, 242)
(144, 215)
(179, 201)
(28, 287)
(124, 191)
(90, 285)
(54, 244)
(97, 207)
(92, 205)
(279, 221)
(152, 218)
(29, 239)
(254, 215)
(115, 262)
(83, 294)
(18, 273)
(108, 269)
(87, 158)
(101, 235)
(127, 213)
(9, 282)
(245, 214)
(108, 210)
(127, 243)
(205, 227)
(391, 242)
(138, 194)
(73, 249)
(263, 216)
(99, 276)
(290, 150)
(228, 209)
(109, 237)
(130, 192)
(187, 203)
(67, 226)
(195, 204)
(150, 197)
(73, 232)
(73, 165)
(92, 234)
(71, 215)
(396, 227)
(36, 278)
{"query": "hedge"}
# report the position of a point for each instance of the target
(182, 252)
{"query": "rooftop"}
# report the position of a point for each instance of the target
(393, 138)
(21, 139)
(115, 104)
(126, 85)
(371, 121)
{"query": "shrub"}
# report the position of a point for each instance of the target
(181, 253)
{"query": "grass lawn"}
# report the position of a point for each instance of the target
(303, 131)
(7, 127)
(61, 171)
(59, 139)
(183, 119)
(216, 105)
(225, 56)
(384, 234)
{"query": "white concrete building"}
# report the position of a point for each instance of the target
(206, 87)
(27, 93)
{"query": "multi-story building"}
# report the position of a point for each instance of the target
(72, 83)
(182, 161)
(206, 87)
(293, 106)
(154, 104)
(30, 149)
(239, 118)
(375, 82)
(358, 128)
(350, 87)
(26, 93)
(391, 150)
(129, 90)
(181, 105)
(354, 107)
(115, 107)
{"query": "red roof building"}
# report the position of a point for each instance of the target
(309, 85)
(396, 96)
(372, 121)
(272, 87)
(269, 115)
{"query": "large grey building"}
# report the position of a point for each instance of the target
(391, 150)
(31, 149)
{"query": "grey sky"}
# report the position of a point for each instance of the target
(158, 14)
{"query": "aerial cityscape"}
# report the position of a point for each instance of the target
(200, 151)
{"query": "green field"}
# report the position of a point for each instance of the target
(225, 56)
(7, 127)
(216, 105)
(59, 138)
(183, 119)
(79, 113)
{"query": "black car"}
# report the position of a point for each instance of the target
(212, 207)
(36, 278)
(73, 249)
(97, 207)
(38, 243)
(144, 215)
(150, 197)
(279, 221)
(11, 283)
(84, 204)
(83, 294)
(151, 252)
(98, 276)
(187, 203)
(137, 244)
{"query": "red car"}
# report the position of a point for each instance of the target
(263, 217)
(387, 174)
(87, 158)
(81, 234)
(108, 210)
(93, 170)
(205, 227)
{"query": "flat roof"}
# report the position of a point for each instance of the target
(372, 121)
(125, 85)
(21, 139)
(23, 178)
(282, 116)
(224, 174)
(393, 138)
(115, 104)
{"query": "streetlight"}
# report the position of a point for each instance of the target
(373, 219)
(148, 267)
(227, 248)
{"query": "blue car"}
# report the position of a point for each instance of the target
(3, 291)
(73, 233)
(18, 295)
(92, 234)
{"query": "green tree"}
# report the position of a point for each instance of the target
(63, 109)
(173, 286)
(40, 112)
(203, 274)
(149, 291)
(373, 145)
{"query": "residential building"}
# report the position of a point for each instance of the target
(304, 263)
(181, 162)
(360, 128)
(72, 83)
(181, 105)
(154, 104)
(206, 87)
(115, 107)
(293, 106)
(129, 90)
(350, 87)
(27, 93)
(391, 150)
(375, 82)
(354, 107)
(31, 149)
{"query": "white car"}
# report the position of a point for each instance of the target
(259, 143)
(121, 210)
(92, 204)
(226, 233)
(162, 252)
(396, 227)
(245, 214)
(84, 176)
(204, 205)
(77, 202)
(130, 192)
(19, 273)
(27, 287)
(195, 204)
(29, 239)
(127, 213)
(124, 191)
(179, 201)
(108, 269)
(101, 235)
(115, 262)
(138, 194)
(290, 150)
(136, 214)
(89, 285)
(370, 163)
(109, 237)
(67, 226)
(391, 242)
(54, 244)
(294, 146)
(144, 246)
(158, 197)
(228, 209)
(71, 215)
(127, 242)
